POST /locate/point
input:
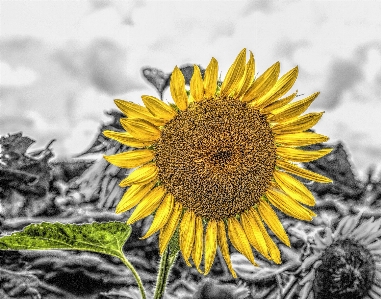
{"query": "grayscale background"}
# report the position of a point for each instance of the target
(63, 62)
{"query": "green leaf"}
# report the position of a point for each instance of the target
(107, 238)
(104, 237)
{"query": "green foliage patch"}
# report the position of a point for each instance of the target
(107, 238)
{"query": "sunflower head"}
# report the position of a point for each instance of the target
(345, 264)
(214, 163)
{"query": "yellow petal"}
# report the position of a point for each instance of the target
(292, 110)
(210, 244)
(254, 233)
(223, 243)
(210, 78)
(239, 240)
(300, 139)
(198, 243)
(167, 231)
(263, 84)
(140, 129)
(148, 205)
(289, 205)
(273, 249)
(278, 104)
(133, 196)
(273, 222)
(234, 74)
(281, 87)
(247, 78)
(270, 245)
(300, 124)
(293, 188)
(187, 227)
(304, 173)
(132, 110)
(126, 139)
(162, 215)
(177, 88)
(158, 108)
(196, 85)
(142, 175)
(131, 159)
(299, 155)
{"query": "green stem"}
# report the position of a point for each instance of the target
(166, 262)
(136, 275)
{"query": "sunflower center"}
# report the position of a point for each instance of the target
(221, 157)
(347, 271)
(217, 157)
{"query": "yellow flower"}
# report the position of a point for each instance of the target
(217, 161)
(345, 263)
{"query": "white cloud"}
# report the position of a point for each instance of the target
(16, 76)
(372, 66)
(81, 136)
(52, 21)
(90, 104)
(356, 124)
(41, 124)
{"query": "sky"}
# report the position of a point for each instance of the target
(63, 62)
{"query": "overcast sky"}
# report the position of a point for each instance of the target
(63, 62)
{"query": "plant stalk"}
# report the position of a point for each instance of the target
(136, 275)
(166, 262)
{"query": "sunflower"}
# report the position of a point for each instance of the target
(345, 264)
(213, 164)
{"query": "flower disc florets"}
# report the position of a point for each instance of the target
(217, 157)
(347, 271)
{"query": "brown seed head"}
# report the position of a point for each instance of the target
(217, 157)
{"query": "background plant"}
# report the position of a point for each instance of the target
(35, 189)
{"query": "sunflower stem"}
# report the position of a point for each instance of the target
(166, 262)
(136, 275)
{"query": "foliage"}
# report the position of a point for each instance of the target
(105, 238)
(33, 188)
(26, 173)
(100, 182)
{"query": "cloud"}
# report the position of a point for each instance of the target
(82, 134)
(356, 78)
(71, 58)
(48, 93)
(16, 76)
(102, 64)
(124, 8)
(287, 48)
(222, 29)
(370, 60)
(343, 76)
(107, 67)
(20, 51)
(59, 98)
(99, 4)
(251, 6)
